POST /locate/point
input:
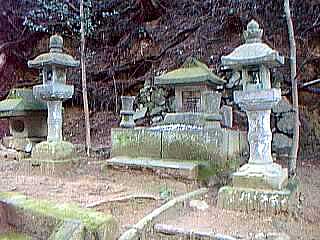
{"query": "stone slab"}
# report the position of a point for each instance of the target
(270, 176)
(41, 219)
(136, 142)
(21, 144)
(260, 200)
(192, 145)
(188, 170)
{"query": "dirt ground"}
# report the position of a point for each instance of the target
(238, 224)
(91, 183)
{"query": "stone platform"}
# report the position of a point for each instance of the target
(186, 170)
(260, 200)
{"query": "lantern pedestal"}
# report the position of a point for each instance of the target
(53, 153)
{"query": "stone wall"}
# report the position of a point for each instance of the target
(197, 144)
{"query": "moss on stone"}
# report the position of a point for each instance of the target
(92, 220)
(14, 236)
(51, 151)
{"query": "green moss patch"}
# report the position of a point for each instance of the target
(14, 236)
(92, 220)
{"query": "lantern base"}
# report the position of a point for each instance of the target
(263, 201)
(261, 176)
(127, 121)
(53, 153)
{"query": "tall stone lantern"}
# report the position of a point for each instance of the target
(54, 91)
(253, 61)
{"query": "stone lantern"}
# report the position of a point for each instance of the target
(53, 90)
(253, 61)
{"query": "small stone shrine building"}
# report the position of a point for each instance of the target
(189, 82)
(27, 119)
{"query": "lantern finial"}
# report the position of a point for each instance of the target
(253, 32)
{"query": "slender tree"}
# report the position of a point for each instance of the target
(293, 74)
(84, 80)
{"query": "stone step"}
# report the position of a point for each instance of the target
(186, 170)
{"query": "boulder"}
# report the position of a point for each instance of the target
(285, 123)
(281, 143)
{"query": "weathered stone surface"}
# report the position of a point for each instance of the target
(186, 170)
(283, 106)
(193, 145)
(53, 90)
(27, 120)
(271, 176)
(53, 151)
(127, 112)
(68, 230)
(271, 236)
(259, 200)
(211, 147)
(227, 117)
(281, 143)
(260, 183)
(137, 142)
(285, 123)
(41, 219)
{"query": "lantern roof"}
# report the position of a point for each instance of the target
(191, 72)
(55, 56)
(253, 51)
(20, 102)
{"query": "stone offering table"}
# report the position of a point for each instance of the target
(261, 184)
(54, 90)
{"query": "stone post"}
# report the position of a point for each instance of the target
(211, 104)
(54, 121)
(127, 112)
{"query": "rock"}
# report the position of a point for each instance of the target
(156, 111)
(285, 123)
(281, 143)
(271, 236)
(156, 120)
(282, 107)
(140, 114)
(198, 204)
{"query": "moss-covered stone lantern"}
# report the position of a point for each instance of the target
(54, 90)
(260, 177)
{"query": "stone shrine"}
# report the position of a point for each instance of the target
(190, 142)
(191, 84)
(54, 90)
(260, 184)
(27, 120)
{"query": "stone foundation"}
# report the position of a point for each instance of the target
(53, 155)
(260, 200)
(198, 144)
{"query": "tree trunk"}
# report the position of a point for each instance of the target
(292, 165)
(84, 81)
